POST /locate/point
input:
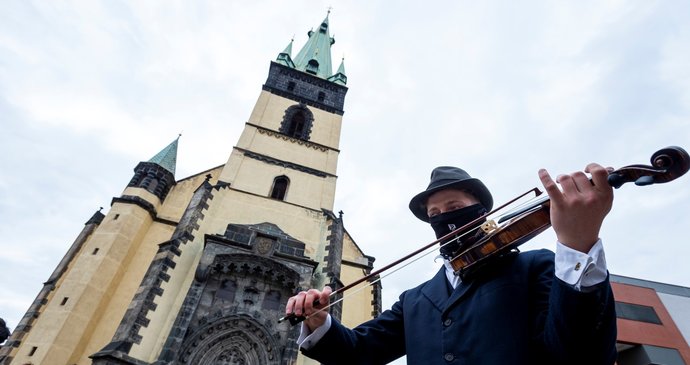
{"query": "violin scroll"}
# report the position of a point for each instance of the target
(667, 164)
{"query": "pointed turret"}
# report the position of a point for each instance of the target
(285, 57)
(167, 157)
(315, 56)
(157, 175)
(339, 77)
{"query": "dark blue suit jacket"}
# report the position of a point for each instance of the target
(516, 312)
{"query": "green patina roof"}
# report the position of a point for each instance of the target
(339, 77)
(341, 69)
(315, 56)
(285, 57)
(167, 157)
(288, 49)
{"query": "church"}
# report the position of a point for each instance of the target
(197, 270)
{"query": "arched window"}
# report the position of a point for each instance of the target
(296, 127)
(297, 122)
(280, 186)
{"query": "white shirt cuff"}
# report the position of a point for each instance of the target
(581, 270)
(308, 339)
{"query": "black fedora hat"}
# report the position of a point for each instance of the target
(449, 177)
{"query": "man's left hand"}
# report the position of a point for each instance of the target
(578, 211)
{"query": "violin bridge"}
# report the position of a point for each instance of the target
(489, 226)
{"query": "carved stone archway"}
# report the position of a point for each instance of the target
(232, 340)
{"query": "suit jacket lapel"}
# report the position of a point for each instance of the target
(437, 290)
(460, 291)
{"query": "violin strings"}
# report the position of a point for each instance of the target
(394, 270)
(523, 207)
(454, 235)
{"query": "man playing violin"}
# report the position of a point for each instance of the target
(532, 307)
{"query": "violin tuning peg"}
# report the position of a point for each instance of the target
(616, 180)
(644, 180)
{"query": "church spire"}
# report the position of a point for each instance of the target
(315, 56)
(308, 78)
(167, 157)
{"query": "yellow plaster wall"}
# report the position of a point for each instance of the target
(144, 194)
(357, 307)
(306, 225)
(89, 285)
(24, 348)
(352, 252)
(248, 174)
(284, 148)
(179, 196)
(126, 289)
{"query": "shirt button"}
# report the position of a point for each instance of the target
(447, 322)
(449, 357)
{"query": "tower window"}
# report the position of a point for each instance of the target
(312, 66)
(296, 128)
(322, 96)
(297, 122)
(279, 189)
(64, 301)
(95, 251)
(33, 351)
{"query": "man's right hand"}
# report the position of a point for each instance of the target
(302, 304)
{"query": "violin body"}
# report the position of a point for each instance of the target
(514, 233)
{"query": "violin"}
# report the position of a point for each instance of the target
(524, 224)
(502, 236)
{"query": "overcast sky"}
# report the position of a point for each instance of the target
(88, 89)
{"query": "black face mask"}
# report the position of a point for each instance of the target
(447, 222)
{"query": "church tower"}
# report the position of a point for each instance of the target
(198, 270)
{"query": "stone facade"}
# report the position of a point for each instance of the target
(305, 88)
(230, 314)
